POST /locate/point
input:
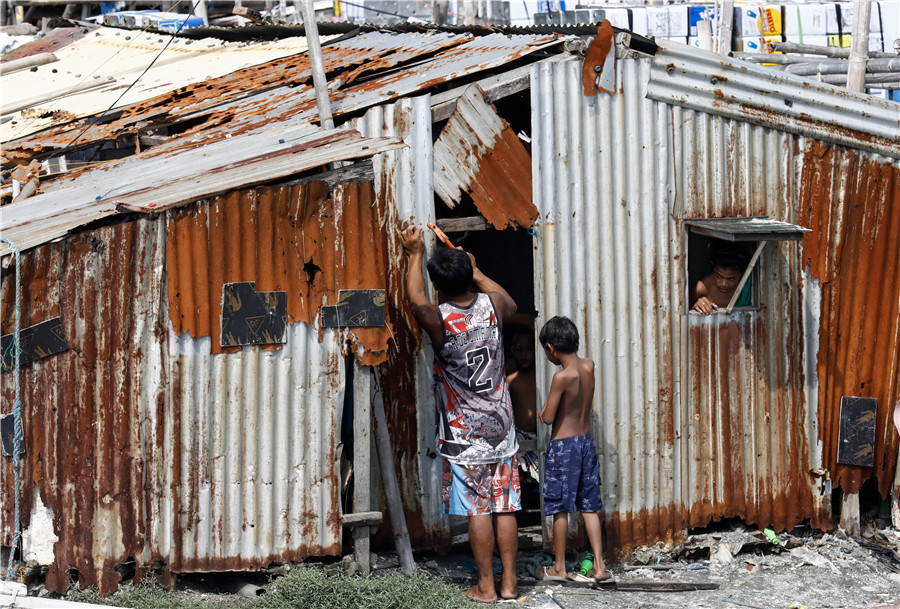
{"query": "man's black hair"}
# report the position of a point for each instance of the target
(561, 334)
(450, 270)
(730, 259)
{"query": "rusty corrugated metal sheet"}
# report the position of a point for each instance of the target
(89, 446)
(281, 90)
(477, 152)
(178, 177)
(403, 179)
(750, 437)
(123, 68)
(708, 82)
(303, 240)
(852, 203)
(52, 41)
(145, 441)
(698, 418)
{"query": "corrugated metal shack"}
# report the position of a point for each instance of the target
(149, 441)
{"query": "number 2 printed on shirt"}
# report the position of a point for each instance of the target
(478, 361)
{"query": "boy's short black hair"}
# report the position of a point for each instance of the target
(729, 259)
(450, 270)
(561, 334)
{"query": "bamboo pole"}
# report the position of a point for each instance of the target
(24, 63)
(856, 79)
(318, 65)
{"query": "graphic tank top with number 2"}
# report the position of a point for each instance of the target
(471, 394)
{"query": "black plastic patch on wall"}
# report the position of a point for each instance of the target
(7, 433)
(250, 317)
(36, 342)
(355, 309)
(856, 442)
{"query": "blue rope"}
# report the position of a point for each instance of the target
(18, 433)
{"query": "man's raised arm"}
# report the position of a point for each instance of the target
(413, 243)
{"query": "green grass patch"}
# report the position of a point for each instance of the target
(314, 589)
(303, 588)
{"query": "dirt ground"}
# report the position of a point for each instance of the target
(806, 569)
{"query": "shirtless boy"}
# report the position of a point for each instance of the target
(714, 291)
(571, 470)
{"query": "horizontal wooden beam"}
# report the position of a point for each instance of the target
(359, 171)
(459, 225)
(366, 519)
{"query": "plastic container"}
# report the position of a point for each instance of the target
(587, 564)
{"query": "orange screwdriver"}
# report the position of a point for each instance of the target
(440, 234)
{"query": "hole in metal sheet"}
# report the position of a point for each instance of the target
(311, 269)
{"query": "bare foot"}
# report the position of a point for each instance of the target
(556, 572)
(476, 594)
(602, 573)
(508, 588)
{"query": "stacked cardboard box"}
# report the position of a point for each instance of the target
(755, 25)
(805, 23)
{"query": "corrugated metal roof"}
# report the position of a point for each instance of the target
(278, 90)
(115, 60)
(177, 177)
(707, 82)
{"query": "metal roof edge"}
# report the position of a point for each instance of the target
(708, 82)
(152, 185)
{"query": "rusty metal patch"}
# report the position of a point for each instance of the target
(852, 203)
(477, 152)
(599, 66)
(85, 461)
(302, 240)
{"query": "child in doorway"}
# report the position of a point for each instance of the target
(571, 470)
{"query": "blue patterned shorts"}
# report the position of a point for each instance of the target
(572, 476)
(491, 488)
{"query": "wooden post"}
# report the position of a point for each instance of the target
(362, 463)
(726, 27)
(391, 488)
(895, 492)
(850, 513)
(745, 277)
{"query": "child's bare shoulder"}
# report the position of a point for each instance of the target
(565, 375)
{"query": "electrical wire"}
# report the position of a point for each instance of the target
(91, 73)
(113, 105)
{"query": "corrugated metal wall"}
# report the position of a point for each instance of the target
(852, 203)
(697, 418)
(90, 446)
(403, 180)
(603, 176)
(256, 481)
(148, 440)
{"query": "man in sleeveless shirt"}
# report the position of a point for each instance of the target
(476, 433)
